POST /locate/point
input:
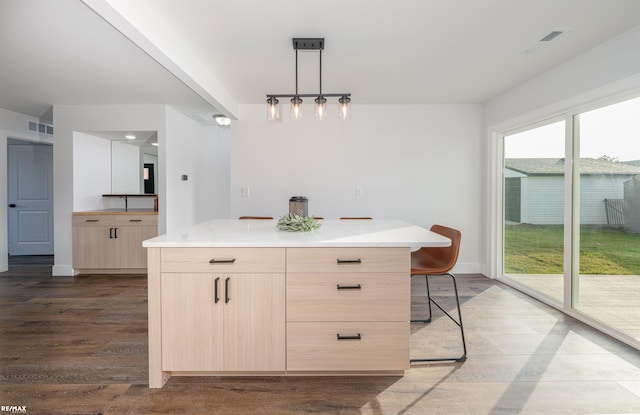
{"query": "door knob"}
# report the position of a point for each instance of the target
(12, 205)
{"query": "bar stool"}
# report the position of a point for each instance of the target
(438, 261)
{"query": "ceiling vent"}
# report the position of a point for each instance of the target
(545, 40)
(40, 128)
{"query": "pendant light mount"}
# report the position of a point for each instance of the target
(273, 112)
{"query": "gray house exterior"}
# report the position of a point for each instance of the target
(534, 191)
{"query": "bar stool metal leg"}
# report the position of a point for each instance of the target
(457, 321)
(428, 320)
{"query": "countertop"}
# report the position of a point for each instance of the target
(332, 233)
(117, 212)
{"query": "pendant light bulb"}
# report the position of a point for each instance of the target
(344, 112)
(321, 108)
(296, 111)
(273, 109)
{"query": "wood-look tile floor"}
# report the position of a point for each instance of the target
(79, 346)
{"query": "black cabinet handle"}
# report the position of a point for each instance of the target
(222, 261)
(135, 220)
(226, 290)
(115, 232)
(349, 287)
(92, 220)
(349, 337)
(110, 233)
(349, 261)
(215, 293)
(12, 205)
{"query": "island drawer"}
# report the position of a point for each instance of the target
(346, 260)
(347, 346)
(223, 260)
(348, 297)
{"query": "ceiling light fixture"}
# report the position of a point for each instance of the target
(222, 120)
(130, 137)
(273, 110)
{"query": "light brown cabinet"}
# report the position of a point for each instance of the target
(228, 315)
(229, 311)
(111, 243)
(347, 309)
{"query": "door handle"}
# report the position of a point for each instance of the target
(226, 290)
(215, 294)
(12, 205)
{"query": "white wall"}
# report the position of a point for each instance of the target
(126, 170)
(610, 69)
(92, 171)
(198, 152)
(420, 163)
(12, 125)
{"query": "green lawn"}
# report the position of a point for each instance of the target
(538, 249)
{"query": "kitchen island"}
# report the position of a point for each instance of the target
(231, 297)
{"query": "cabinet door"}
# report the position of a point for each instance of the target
(254, 322)
(192, 322)
(93, 246)
(130, 253)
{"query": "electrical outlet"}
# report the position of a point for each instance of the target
(359, 192)
(245, 191)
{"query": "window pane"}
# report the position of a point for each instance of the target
(534, 208)
(609, 208)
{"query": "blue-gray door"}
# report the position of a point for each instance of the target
(30, 197)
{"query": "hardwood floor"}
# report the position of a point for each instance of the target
(79, 346)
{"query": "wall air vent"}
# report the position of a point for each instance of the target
(40, 128)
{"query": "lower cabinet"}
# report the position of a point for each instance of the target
(223, 322)
(348, 309)
(111, 243)
(277, 311)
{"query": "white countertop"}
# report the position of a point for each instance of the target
(332, 233)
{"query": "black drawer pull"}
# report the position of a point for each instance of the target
(110, 233)
(92, 220)
(351, 337)
(349, 287)
(226, 290)
(349, 261)
(135, 220)
(222, 261)
(215, 294)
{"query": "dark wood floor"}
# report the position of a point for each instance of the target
(79, 346)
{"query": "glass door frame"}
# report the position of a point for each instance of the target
(495, 206)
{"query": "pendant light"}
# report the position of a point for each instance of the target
(320, 113)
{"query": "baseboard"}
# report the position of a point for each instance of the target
(62, 271)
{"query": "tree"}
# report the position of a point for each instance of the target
(610, 159)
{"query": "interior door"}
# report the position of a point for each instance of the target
(30, 197)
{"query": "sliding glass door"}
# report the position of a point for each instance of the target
(607, 203)
(571, 214)
(533, 195)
